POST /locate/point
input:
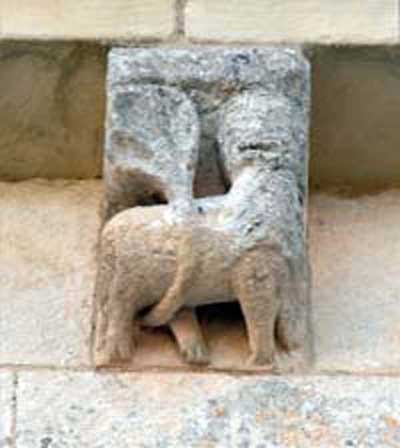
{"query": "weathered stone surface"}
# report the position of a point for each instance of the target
(355, 21)
(355, 136)
(247, 246)
(151, 149)
(209, 76)
(355, 253)
(87, 19)
(174, 410)
(6, 408)
(51, 110)
(48, 233)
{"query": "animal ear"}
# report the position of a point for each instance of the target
(153, 132)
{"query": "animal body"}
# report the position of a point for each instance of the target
(146, 255)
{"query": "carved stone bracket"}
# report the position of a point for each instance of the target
(216, 142)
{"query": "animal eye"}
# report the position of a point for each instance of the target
(266, 145)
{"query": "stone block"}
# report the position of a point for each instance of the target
(355, 136)
(6, 409)
(175, 410)
(51, 110)
(355, 253)
(48, 234)
(87, 19)
(351, 21)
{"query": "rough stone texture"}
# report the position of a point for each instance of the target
(355, 21)
(87, 19)
(6, 409)
(51, 110)
(248, 245)
(208, 76)
(355, 135)
(48, 233)
(355, 253)
(172, 410)
(151, 149)
(47, 282)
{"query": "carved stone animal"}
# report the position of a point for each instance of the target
(248, 245)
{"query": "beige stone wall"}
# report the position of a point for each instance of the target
(356, 21)
(52, 108)
(350, 21)
(355, 133)
(87, 19)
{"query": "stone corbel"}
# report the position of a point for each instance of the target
(163, 250)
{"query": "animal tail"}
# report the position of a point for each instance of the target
(174, 299)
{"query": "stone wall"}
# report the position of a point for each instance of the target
(256, 21)
(53, 58)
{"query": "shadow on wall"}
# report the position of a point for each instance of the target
(51, 110)
(355, 136)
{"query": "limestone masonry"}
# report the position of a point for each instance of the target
(199, 223)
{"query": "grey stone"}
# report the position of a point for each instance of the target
(51, 110)
(248, 245)
(6, 409)
(151, 149)
(209, 76)
(48, 233)
(189, 410)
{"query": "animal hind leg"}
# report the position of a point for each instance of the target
(189, 337)
(175, 297)
(183, 322)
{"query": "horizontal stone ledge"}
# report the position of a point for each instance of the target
(311, 21)
(182, 410)
(316, 21)
(87, 19)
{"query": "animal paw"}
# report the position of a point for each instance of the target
(116, 351)
(295, 361)
(261, 359)
(196, 353)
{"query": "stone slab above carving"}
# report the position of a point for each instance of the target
(273, 68)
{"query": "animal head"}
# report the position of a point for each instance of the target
(256, 131)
